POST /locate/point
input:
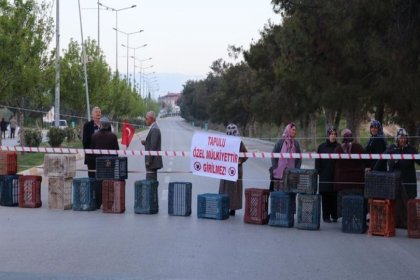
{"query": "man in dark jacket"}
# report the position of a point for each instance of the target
(326, 169)
(89, 129)
(152, 143)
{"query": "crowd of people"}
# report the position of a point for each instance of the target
(337, 178)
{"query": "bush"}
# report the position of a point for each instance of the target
(33, 137)
(70, 134)
(56, 136)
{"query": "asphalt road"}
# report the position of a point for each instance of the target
(53, 244)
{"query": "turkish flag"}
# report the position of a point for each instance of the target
(127, 133)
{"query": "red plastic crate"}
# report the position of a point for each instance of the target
(8, 163)
(113, 196)
(30, 191)
(382, 217)
(256, 206)
(413, 218)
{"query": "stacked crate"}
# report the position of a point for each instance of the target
(179, 198)
(213, 206)
(382, 188)
(60, 170)
(85, 194)
(146, 197)
(256, 206)
(354, 214)
(8, 179)
(113, 171)
(29, 191)
(113, 196)
(302, 182)
(413, 219)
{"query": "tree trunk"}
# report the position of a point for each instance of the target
(379, 114)
(337, 120)
(313, 122)
(353, 119)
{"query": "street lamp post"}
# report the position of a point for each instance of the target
(128, 35)
(134, 64)
(116, 28)
(142, 78)
(134, 49)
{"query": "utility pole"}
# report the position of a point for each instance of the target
(57, 66)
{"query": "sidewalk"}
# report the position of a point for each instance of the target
(9, 142)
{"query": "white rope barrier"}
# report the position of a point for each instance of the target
(187, 154)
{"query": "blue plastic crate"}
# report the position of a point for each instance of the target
(213, 206)
(86, 194)
(179, 199)
(308, 211)
(146, 197)
(354, 214)
(282, 207)
(111, 168)
(9, 190)
(301, 180)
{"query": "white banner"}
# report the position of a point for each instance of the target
(215, 155)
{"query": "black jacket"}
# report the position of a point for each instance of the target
(406, 167)
(88, 131)
(376, 145)
(326, 167)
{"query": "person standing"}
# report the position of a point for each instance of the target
(326, 168)
(3, 127)
(104, 139)
(90, 128)
(234, 189)
(13, 126)
(287, 144)
(407, 170)
(349, 174)
(376, 145)
(152, 143)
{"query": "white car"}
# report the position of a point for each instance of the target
(62, 124)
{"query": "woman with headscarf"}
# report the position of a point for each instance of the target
(377, 143)
(234, 189)
(326, 169)
(349, 175)
(287, 144)
(408, 174)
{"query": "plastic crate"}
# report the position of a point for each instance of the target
(60, 165)
(413, 218)
(30, 191)
(382, 185)
(179, 198)
(342, 194)
(146, 197)
(8, 163)
(308, 211)
(85, 194)
(354, 214)
(282, 206)
(256, 206)
(382, 217)
(59, 193)
(279, 186)
(301, 180)
(213, 206)
(9, 189)
(111, 168)
(113, 196)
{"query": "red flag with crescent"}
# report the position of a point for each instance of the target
(127, 133)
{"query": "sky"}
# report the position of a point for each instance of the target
(183, 37)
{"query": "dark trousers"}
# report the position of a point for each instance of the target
(12, 132)
(329, 205)
(151, 174)
(91, 166)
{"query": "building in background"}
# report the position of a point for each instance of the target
(168, 104)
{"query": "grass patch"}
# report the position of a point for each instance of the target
(28, 160)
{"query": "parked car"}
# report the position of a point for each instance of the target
(62, 124)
